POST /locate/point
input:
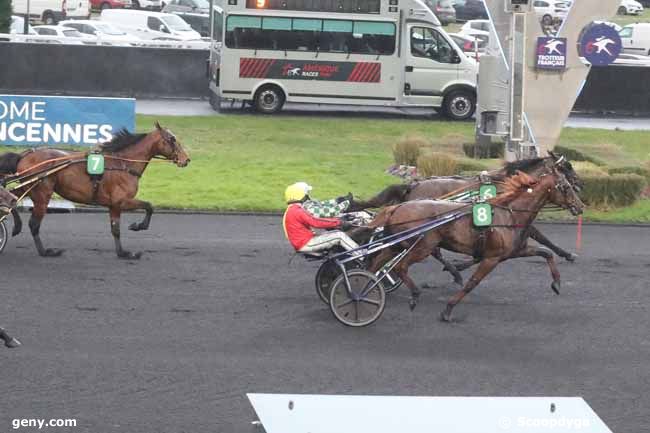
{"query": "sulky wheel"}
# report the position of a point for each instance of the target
(361, 305)
(3, 235)
(327, 273)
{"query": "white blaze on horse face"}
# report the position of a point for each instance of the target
(530, 190)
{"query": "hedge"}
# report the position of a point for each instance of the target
(641, 171)
(617, 190)
(494, 151)
(576, 155)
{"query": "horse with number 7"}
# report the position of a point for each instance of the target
(107, 177)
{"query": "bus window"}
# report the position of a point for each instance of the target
(428, 43)
(310, 34)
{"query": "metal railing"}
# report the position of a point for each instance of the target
(202, 44)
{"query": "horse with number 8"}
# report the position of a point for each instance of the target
(515, 209)
(86, 180)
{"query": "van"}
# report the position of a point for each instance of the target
(636, 38)
(51, 12)
(150, 25)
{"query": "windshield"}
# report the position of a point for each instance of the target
(176, 23)
(626, 32)
(108, 29)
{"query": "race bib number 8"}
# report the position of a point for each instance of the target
(482, 214)
(95, 164)
(487, 192)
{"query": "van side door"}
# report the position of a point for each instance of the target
(430, 64)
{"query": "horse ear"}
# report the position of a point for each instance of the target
(158, 127)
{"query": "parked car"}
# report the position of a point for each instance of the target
(636, 38)
(470, 10)
(187, 6)
(52, 11)
(149, 5)
(550, 12)
(472, 47)
(630, 7)
(100, 31)
(479, 29)
(110, 4)
(62, 32)
(443, 9)
(632, 60)
(18, 26)
(151, 25)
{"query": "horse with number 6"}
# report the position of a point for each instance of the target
(515, 209)
(125, 157)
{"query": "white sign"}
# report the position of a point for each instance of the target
(286, 413)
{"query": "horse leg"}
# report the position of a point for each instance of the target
(41, 199)
(402, 272)
(485, 267)
(115, 213)
(448, 266)
(543, 240)
(550, 259)
(18, 223)
(10, 342)
(133, 204)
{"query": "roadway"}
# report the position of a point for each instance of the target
(214, 310)
(193, 107)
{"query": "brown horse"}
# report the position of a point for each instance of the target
(126, 158)
(437, 187)
(514, 212)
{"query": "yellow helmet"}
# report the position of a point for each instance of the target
(296, 192)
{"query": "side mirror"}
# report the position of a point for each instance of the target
(455, 58)
(163, 29)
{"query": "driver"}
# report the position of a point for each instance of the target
(298, 224)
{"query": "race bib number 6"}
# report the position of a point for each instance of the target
(487, 192)
(482, 214)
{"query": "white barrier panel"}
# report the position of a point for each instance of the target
(286, 413)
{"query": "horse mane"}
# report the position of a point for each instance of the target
(511, 168)
(121, 140)
(512, 186)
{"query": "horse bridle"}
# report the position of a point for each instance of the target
(170, 140)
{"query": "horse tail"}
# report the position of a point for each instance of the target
(393, 194)
(9, 162)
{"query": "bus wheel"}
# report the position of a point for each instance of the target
(269, 99)
(459, 104)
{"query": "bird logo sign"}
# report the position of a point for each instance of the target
(551, 53)
(600, 45)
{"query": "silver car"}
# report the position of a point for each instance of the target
(187, 6)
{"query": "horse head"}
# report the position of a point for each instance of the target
(170, 147)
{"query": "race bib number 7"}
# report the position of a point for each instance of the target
(95, 164)
(482, 214)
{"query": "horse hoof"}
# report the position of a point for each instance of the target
(445, 316)
(53, 252)
(136, 227)
(412, 304)
(555, 286)
(12, 343)
(571, 258)
(130, 256)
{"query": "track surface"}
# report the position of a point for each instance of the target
(172, 343)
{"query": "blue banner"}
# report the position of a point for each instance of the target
(57, 120)
(601, 45)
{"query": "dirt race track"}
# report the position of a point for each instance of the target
(173, 342)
